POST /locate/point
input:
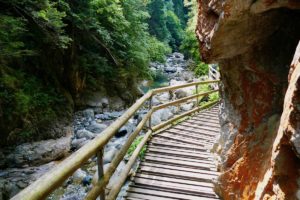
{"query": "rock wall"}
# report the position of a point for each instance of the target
(254, 43)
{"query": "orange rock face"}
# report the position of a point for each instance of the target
(255, 43)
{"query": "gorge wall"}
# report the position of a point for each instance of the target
(255, 43)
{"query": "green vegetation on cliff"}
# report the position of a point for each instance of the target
(54, 51)
(190, 44)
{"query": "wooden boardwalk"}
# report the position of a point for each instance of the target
(178, 163)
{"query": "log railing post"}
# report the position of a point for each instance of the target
(150, 107)
(101, 171)
(197, 100)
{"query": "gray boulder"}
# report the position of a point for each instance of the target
(79, 175)
(13, 180)
(109, 155)
(187, 107)
(96, 128)
(38, 153)
(78, 143)
(85, 134)
(180, 94)
(88, 113)
(170, 69)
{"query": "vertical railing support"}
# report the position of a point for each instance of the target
(197, 101)
(150, 107)
(100, 171)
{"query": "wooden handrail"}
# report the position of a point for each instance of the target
(43, 186)
(175, 87)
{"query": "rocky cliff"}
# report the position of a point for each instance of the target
(255, 43)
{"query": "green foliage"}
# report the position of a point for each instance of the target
(11, 30)
(210, 98)
(50, 47)
(167, 21)
(22, 94)
(201, 69)
(133, 146)
(190, 46)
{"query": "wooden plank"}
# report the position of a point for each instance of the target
(175, 173)
(191, 135)
(171, 167)
(130, 195)
(201, 120)
(199, 131)
(204, 116)
(201, 125)
(174, 180)
(195, 125)
(162, 148)
(178, 153)
(166, 194)
(215, 130)
(169, 144)
(153, 184)
(180, 158)
(182, 163)
(181, 139)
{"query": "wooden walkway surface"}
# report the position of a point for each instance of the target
(178, 163)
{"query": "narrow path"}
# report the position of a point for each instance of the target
(178, 163)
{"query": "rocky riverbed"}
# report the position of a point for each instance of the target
(29, 161)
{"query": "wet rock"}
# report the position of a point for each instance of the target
(187, 107)
(109, 115)
(164, 97)
(109, 155)
(170, 69)
(87, 180)
(37, 153)
(180, 94)
(174, 109)
(78, 143)
(128, 128)
(13, 180)
(85, 134)
(79, 175)
(116, 103)
(155, 101)
(121, 133)
(96, 128)
(88, 113)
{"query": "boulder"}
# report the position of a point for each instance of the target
(79, 175)
(88, 113)
(78, 143)
(84, 134)
(96, 128)
(187, 107)
(170, 69)
(13, 180)
(109, 155)
(128, 128)
(37, 153)
(163, 97)
(180, 94)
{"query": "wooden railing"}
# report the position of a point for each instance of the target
(42, 187)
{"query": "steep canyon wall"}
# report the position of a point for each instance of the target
(255, 43)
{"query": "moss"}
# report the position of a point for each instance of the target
(133, 146)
